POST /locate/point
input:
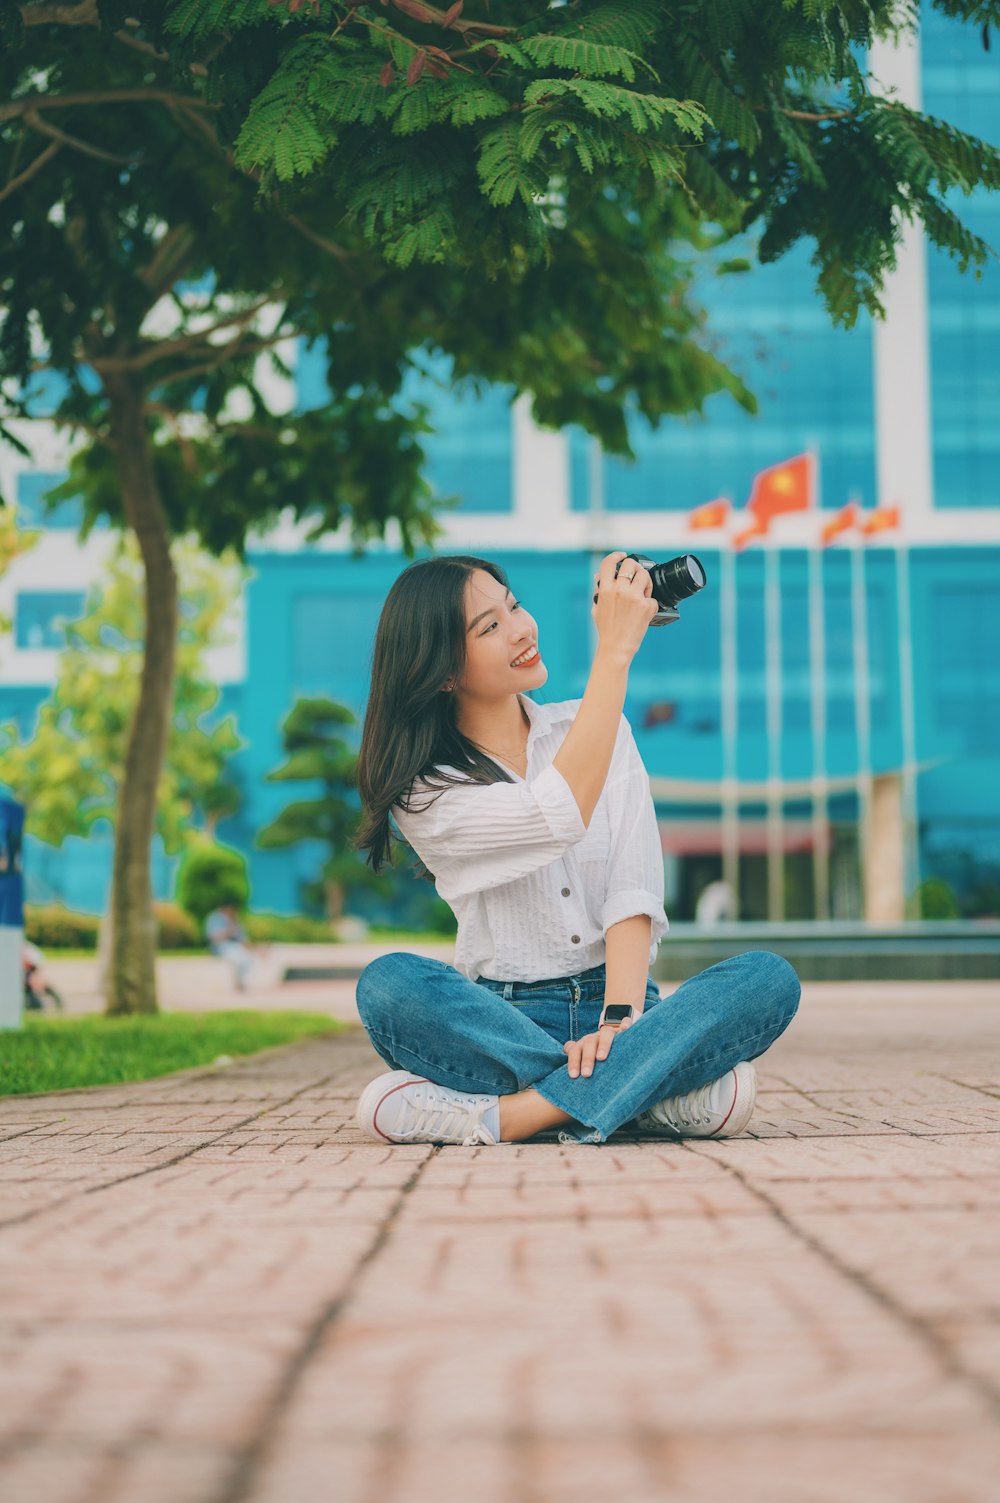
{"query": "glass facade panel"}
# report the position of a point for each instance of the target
(966, 673)
(470, 451)
(470, 454)
(32, 511)
(962, 85)
(332, 644)
(40, 616)
(813, 384)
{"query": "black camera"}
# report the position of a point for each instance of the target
(673, 582)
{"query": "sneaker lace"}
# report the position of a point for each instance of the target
(443, 1117)
(692, 1110)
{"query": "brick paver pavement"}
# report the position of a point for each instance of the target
(213, 1290)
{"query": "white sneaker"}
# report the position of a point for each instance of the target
(720, 1109)
(404, 1108)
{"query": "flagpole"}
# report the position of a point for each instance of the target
(904, 628)
(817, 687)
(729, 704)
(772, 626)
(862, 709)
(817, 683)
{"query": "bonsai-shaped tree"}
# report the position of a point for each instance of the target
(318, 754)
(211, 875)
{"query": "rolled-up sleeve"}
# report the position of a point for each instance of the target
(476, 836)
(634, 871)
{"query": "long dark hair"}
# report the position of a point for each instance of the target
(410, 728)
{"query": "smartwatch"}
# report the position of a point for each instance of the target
(616, 1013)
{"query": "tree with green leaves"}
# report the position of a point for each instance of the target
(191, 184)
(68, 770)
(13, 541)
(317, 754)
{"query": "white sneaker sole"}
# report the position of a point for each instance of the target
(374, 1094)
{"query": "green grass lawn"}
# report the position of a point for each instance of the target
(51, 1054)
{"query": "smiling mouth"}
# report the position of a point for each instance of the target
(527, 659)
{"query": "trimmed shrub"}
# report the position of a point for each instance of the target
(287, 929)
(210, 875)
(175, 928)
(441, 920)
(936, 900)
(52, 927)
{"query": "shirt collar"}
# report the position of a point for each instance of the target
(542, 717)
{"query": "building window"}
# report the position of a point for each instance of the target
(31, 509)
(332, 644)
(41, 616)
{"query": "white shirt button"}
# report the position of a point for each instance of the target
(565, 892)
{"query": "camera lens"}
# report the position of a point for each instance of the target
(678, 578)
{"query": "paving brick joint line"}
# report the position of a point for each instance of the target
(214, 1289)
(152, 1168)
(989, 1389)
(248, 1462)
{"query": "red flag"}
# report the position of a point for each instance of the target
(790, 486)
(756, 528)
(842, 521)
(880, 520)
(711, 514)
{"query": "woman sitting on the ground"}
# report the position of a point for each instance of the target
(538, 825)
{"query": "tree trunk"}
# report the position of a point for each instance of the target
(334, 901)
(104, 949)
(132, 982)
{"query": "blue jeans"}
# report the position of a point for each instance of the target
(498, 1037)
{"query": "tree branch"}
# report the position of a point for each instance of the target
(86, 14)
(162, 348)
(419, 10)
(235, 348)
(172, 419)
(197, 69)
(36, 166)
(203, 127)
(15, 107)
(763, 109)
(162, 270)
(320, 240)
(82, 14)
(45, 129)
(99, 435)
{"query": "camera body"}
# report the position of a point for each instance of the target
(673, 582)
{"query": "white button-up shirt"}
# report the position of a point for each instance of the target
(534, 890)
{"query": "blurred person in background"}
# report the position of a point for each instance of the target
(227, 938)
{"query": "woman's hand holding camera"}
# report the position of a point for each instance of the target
(623, 611)
(624, 605)
(582, 1053)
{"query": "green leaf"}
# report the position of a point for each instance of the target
(428, 239)
(644, 112)
(632, 24)
(591, 59)
(472, 101)
(413, 107)
(503, 171)
(283, 129)
(200, 18)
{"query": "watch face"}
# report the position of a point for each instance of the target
(617, 1012)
